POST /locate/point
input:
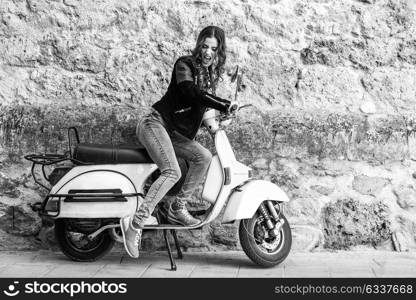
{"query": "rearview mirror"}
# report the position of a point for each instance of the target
(237, 76)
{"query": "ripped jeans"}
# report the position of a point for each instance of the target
(163, 146)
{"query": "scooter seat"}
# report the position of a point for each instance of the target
(110, 154)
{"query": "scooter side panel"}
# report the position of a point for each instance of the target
(87, 210)
(129, 178)
(224, 149)
(239, 172)
(97, 180)
(137, 173)
(213, 181)
(244, 202)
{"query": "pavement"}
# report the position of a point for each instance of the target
(341, 264)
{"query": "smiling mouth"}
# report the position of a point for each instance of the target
(206, 59)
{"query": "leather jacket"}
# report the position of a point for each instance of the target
(184, 104)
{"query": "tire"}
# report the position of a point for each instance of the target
(95, 249)
(255, 251)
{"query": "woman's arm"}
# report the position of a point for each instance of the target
(185, 82)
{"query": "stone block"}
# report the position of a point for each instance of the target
(406, 197)
(306, 238)
(348, 222)
(367, 185)
(224, 234)
(9, 186)
(324, 190)
(404, 237)
(21, 221)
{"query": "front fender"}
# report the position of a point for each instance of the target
(246, 199)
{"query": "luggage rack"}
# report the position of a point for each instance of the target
(46, 159)
(53, 158)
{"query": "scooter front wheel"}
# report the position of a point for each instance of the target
(76, 245)
(261, 248)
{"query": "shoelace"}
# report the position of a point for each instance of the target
(137, 239)
(188, 216)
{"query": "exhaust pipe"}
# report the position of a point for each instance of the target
(94, 234)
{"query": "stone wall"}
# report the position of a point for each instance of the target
(333, 85)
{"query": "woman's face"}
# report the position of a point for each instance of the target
(209, 51)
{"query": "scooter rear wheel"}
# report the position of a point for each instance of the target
(75, 245)
(264, 251)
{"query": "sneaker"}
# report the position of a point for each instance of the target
(151, 221)
(131, 237)
(181, 217)
(162, 214)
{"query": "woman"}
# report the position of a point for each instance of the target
(168, 132)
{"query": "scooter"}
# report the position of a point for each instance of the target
(94, 185)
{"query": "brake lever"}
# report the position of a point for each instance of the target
(244, 106)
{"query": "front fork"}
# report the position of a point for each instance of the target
(269, 213)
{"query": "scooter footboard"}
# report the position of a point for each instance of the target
(245, 200)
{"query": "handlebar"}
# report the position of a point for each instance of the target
(224, 117)
(236, 108)
(213, 121)
(245, 105)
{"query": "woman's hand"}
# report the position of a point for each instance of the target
(232, 108)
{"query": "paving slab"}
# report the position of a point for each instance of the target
(164, 271)
(395, 271)
(352, 273)
(25, 270)
(220, 259)
(212, 264)
(213, 271)
(127, 260)
(307, 271)
(50, 257)
(11, 257)
(60, 258)
(74, 270)
(300, 260)
(121, 271)
(255, 272)
(400, 261)
(2, 268)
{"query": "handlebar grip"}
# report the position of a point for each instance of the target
(233, 107)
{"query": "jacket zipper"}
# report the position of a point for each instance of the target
(183, 110)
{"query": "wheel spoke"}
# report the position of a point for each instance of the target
(261, 245)
(81, 241)
(266, 243)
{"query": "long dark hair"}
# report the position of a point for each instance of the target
(218, 33)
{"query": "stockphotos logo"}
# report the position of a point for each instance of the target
(70, 289)
(11, 291)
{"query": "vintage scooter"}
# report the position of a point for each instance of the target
(94, 185)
